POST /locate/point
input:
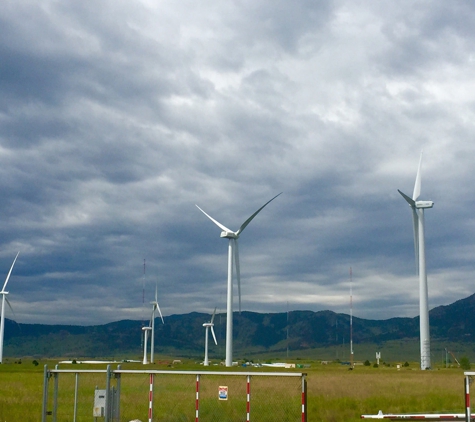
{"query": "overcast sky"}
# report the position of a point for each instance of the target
(117, 117)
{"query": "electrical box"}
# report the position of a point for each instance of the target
(99, 403)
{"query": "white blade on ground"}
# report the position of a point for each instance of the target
(245, 224)
(9, 272)
(214, 337)
(238, 270)
(417, 185)
(415, 221)
(221, 226)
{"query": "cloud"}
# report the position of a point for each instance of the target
(116, 118)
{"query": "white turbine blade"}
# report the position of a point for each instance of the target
(409, 200)
(214, 337)
(160, 312)
(212, 318)
(415, 221)
(244, 225)
(417, 185)
(238, 271)
(10, 306)
(221, 226)
(9, 272)
(156, 291)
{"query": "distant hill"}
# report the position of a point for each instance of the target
(254, 333)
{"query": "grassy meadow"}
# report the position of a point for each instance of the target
(334, 392)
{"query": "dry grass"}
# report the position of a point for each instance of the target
(334, 394)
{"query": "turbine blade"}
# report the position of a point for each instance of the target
(409, 200)
(221, 226)
(9, 272)
(214, 313)
(244, 225)
(214, 337)
(10, 306)
(415, 221)
(417, 185)
(156, 291)
(160, 312)
(238, 270)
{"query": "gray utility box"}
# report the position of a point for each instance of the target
(99, 403)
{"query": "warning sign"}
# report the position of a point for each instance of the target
(223, 392)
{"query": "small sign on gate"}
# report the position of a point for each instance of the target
(223, 392)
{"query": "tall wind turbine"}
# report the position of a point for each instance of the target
(419, 247)
(155, 307)
(233, 260)
(5, 300)
(207, 326)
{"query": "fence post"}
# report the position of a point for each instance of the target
(304, 398)
(45, 393)
(150, 400)
(107, 410)
(197, 398)
(248, 399)
(118, 378)
(76, 385)
(55, 395)
(467, 398)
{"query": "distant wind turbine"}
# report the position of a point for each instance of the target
(207, 326)
(155, 307)
(419, 247)
(233, 260)
(4, 299)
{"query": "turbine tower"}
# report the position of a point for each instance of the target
(209, 325)
(233, 260)
(5, 300)
(145, 333)
(155, 307)
(419, 247)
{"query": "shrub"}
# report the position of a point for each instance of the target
(375, 365)
(367, 363)
(465, 363)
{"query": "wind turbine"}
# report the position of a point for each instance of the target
(419, 247)
(4, 299)
(233, 260)
(209, 325)
(155, 307)
(145, 333)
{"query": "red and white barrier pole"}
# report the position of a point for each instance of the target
(248, 399)
(197, 399)
(467, 398)
(150, 399)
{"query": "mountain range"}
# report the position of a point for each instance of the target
(254, 333)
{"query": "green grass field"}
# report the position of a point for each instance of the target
(334, 392)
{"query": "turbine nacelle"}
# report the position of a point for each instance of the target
(424, 204)
(228, 235)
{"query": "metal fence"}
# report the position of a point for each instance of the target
(151, 395)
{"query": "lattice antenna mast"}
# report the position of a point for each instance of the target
(351, 318)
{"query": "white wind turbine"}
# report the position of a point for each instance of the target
(5, 300)
(419, 247)
(233, 260)
(155, 307)
(207, 326)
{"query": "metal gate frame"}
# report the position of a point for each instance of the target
(112, 407)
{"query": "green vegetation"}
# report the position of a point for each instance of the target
(334, 393)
